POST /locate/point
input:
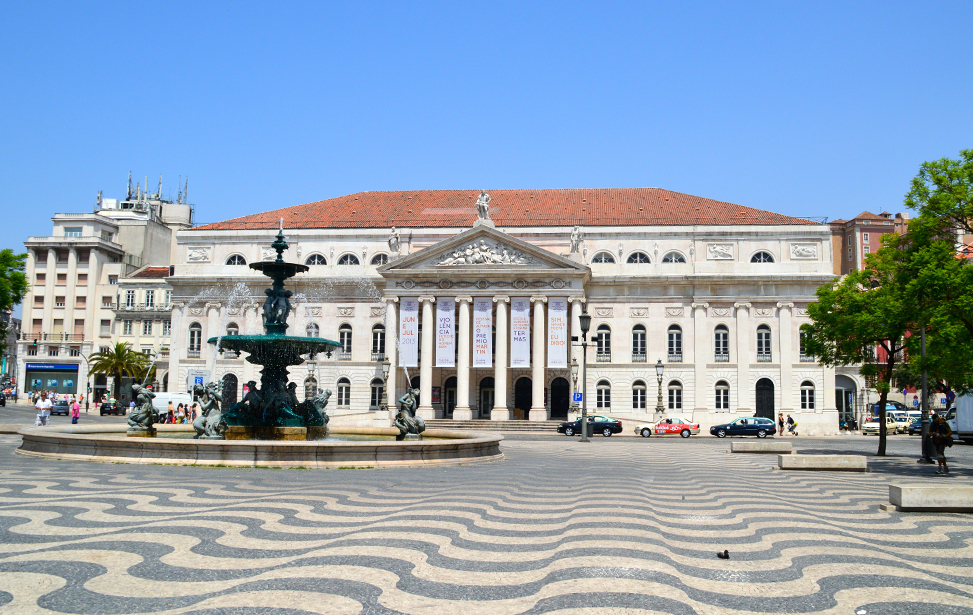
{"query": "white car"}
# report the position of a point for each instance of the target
(872, 425)
(902, 420)
(667, 426)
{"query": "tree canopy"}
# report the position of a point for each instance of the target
(119, 360)
(13, 286)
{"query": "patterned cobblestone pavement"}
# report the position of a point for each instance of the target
(614, 526)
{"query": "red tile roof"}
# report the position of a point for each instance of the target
(151, 272)
(524, 208)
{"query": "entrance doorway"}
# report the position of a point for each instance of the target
(486, 397)
(449, 397)
(765, 399)
(560, 394)
(230, 383)
(844, 399)
(523, 397)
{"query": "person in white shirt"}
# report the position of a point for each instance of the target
(43, 406)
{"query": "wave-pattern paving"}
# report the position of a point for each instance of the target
(616, 526)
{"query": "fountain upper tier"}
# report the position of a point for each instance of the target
(275, 348)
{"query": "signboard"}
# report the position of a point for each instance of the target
(437, 395)
(409, 333)
(577, 397)
(943, 401)
(482, 332)
(50, 367)
(557, 333)
(915, 402)
(196, 376)
(446, 332)
(520, 332)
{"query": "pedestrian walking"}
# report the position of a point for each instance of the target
(43, 406)
(75, 412)
(181, 414)
(780, 423)
(942, 437)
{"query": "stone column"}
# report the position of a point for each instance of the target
(50, 293)
(701, 355)
(786, 359)
(92, 327)
(177, 346)
(462, 411)
(425, 409)
(744, 394)
(391, 351)
(501, 412)
(70, 297)
(537, 410)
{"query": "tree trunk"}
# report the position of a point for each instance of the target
(882, 431)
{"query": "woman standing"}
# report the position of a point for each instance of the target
(181, 414)
(942, 436)
(75, 412)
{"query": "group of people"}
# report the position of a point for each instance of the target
(790, 422)
(10, 393)
(44, 405)
(181, 414)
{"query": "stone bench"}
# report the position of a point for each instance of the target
(761, 446)
(826, 463)
(930, 497)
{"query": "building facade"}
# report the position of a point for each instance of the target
(853, 240)
(714, 291)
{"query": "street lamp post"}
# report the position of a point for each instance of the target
(659, 410)
(574, 379)
(584, 319)
(386, 368)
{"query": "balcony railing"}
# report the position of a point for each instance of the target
(675, 357)
(378, 356)
(51, 337)
(807, 358)
(603, 357)
(343, 355)
(765, 358)
(721, 358)
(144, 307)
(639, 357)
(192, 354)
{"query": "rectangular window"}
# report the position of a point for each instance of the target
(126, 327)
(41, 278)
(865, 237)
(113, 279)
(81, 301)
(62, 279)
(37, 326)
(604, 398)
(675, 398)
(58, 301)
(849, 253)
(58, 326)
(129, 299)
(147, 351)
(868, 249)
(106, 235)
(722, 398)
(52, 351)
(38, 301)
(378, 392)
(150, 299)
(168, 298)
(79, 326)
(31, 351)
(82, 279)
(106, 302)
(75, 351)
(638, 397)
(62, 256)
(72, 231)
(146, 327)
(166, 327)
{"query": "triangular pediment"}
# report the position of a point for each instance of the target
(483, 248)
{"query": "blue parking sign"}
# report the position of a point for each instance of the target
(915, 402)
(198, 379)
(577, 397)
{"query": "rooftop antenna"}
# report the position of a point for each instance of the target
(138, 191)
(179, 185)
(159, 194)
(185, 193)
(146, 186)
(128, 196)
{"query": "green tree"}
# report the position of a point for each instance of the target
(117, 361)
(863, 311)
(13, 286)
(943, 193)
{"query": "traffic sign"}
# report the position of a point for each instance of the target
(198, 380)
(950, 396)
(577, 397)
(943, 401)
(915, 402)
(915, 397)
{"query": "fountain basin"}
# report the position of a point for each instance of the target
(109, 444)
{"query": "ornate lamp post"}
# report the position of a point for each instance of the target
(585, 321)
(386, 368)
(659, 410)
(574, 378)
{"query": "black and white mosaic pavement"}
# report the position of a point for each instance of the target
(614, 526)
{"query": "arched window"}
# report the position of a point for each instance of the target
(604, 398)
(603, 257)
(722, 395)
(807, 395)
(675, 395)
(378, 394)
(762, 257)
(721, 344)
(316, 259)
(378, 343)
(675, 344)
(344, 392)
(638, 395)
(638, 344)
(603, 341)
(195, 340)
(344, 338)
(236, 259)
(764, 354)
(638, 258)
(348, 259)
(673, 257)
(805, 337)
(312, 330)
(380, 259)
(232, 329)
(310, 387)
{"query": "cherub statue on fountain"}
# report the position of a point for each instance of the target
(245, 412)
(410, 426)
(210, 424)
(144, 414)
(314, 411)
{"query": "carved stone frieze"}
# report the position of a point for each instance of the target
(267, 254)
(800, 312)
(233, 311)
(378, 311)
(674, 311)
(640, 312)
(721, 312)
(765, 312)
(312, 311)
(719, 251)
(556, 284)
(346, 311)
(196, 311)
(804, 250)
(604, 312)
(199, 255)
(483, 254)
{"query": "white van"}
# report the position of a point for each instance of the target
(161, 401)
(960, 418)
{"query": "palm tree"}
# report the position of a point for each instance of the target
(117, 361)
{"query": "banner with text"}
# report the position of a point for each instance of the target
(520, 332)
(482, 332)
(445, 332)
(557, 333)
(409, 334)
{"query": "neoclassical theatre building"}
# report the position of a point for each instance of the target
(475, 297)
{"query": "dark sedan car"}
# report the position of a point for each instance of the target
(915, 427)
(745, 426)
(604, 425)
(111, 408)
(60, 407)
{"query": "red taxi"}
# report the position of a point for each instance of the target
(668, 427)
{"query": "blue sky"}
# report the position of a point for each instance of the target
(809, 109)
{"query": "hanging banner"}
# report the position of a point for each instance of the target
(520, 332)
(557, 333)
(482, 332)
(409, 334)
(446, 332)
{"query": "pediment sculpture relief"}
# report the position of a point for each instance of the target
(482, 254)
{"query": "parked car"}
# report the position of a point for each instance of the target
(745, 426)
(668, 426)
(111, 408)
(60, 407)
(597, 423)
(890, 406)
(915, 427)
(871, 425)
(902, 421)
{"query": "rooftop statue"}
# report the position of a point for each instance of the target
(577, 236)
(483, 205)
